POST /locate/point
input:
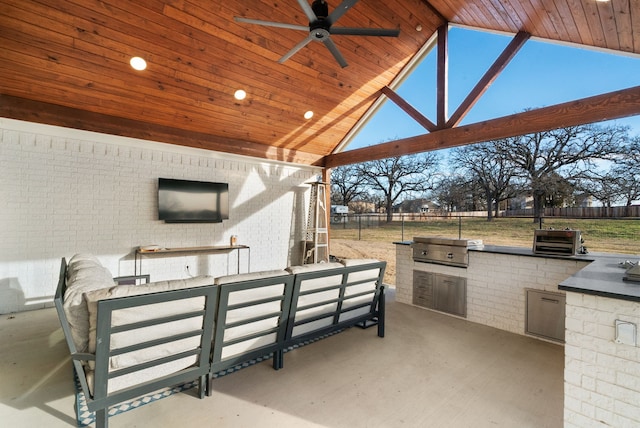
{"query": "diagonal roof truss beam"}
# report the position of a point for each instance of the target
(612, 105)
(489, 77)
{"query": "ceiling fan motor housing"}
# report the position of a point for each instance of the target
(320, 8)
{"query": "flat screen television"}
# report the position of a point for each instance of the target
(186, 201)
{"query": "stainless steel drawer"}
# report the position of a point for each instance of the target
(423, 289)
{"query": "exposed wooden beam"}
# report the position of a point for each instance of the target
(442, 76)
(435, 11)
(489, 77)
(51, 114)
(612, 105)
(409, 109)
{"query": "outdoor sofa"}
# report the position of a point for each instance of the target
(128, 340)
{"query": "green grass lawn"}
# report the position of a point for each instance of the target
(600, 235)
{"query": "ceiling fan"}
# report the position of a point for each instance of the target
(321, 27)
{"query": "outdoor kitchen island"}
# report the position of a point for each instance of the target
(601, 315)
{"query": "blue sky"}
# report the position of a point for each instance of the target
(541, 74)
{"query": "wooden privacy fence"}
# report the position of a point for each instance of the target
(580, 212)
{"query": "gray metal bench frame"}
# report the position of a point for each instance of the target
(212, 333)
(375, 314)
(100, 401)
(274, 349)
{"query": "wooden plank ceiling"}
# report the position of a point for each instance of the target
(66, 62)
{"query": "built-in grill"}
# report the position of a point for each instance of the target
(451, 252)
(567, 242)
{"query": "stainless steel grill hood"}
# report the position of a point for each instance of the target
(445, 251)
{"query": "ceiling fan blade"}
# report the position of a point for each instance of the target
(296, 48)
(334, 50)
(340, 10)
(307, 10)
(347, 31)
(271, 24)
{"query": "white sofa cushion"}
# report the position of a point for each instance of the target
(84, 273)
(238, 315)
(228, 279)
(137, 377)
(365, 287)
(140, 313)
(356, 262)
(313, 267)
(366, 278)
(82, 257)
(310, 297)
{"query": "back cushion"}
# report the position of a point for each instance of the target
(84, 273)
(146, 312)
(313, 303)
(229, 279)
(366, 279)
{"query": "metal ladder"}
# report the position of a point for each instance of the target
(316, 243)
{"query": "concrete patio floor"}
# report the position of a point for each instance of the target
(431, 370)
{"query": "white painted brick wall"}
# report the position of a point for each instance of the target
(496, 283)
(602, 377)
(404, 274)
(65, 191)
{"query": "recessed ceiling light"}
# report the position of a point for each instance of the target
(308, 115)
(138, 63)
(240, 94)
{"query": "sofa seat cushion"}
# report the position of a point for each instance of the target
(148, 312)
(84, 273)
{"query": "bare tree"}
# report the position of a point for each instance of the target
(627, 173)
(457, 193)
(603, 186)
(568, 152)
(450, 192)
(398, 176)
(559, 191)
(621, 182)
(346, 184)
(491, 169)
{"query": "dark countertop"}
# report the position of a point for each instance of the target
(403, 242)
(522, 251)
(603, 276)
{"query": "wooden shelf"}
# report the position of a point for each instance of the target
(168, 252)
(206, 249)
